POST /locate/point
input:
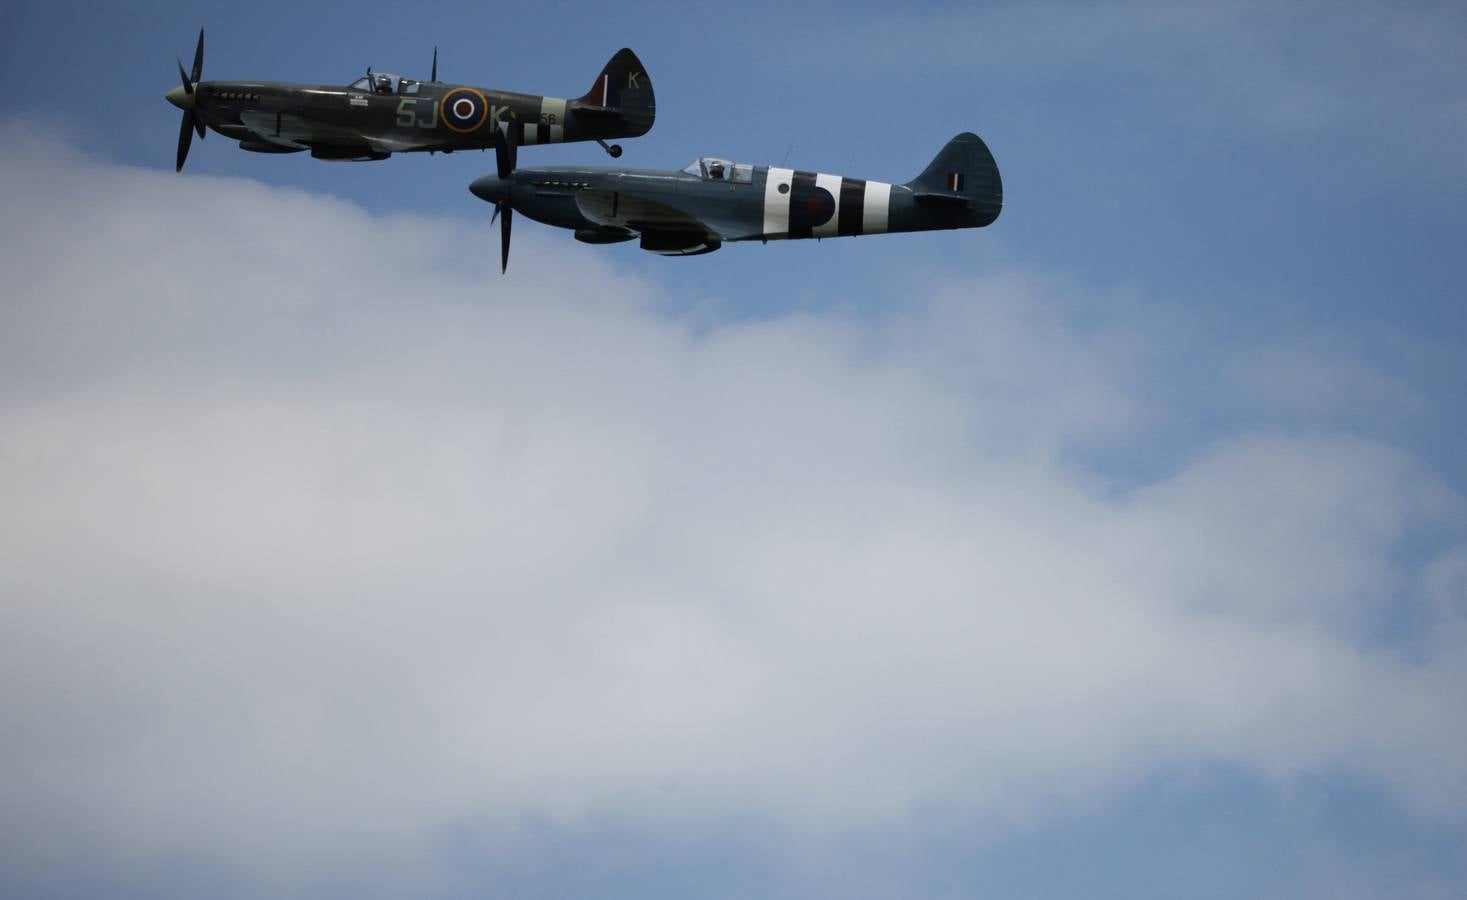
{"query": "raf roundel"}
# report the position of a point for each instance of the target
(464, 110)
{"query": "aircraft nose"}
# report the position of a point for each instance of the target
(490, 189)
(180, 98)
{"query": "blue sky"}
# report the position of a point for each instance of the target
(1115, 549)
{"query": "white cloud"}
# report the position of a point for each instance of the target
(317, 539)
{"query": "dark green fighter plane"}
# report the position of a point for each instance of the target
(381, 114)
(711, 201)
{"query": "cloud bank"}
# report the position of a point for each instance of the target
(319, 541)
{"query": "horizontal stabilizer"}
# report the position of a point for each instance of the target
(609, 112)
(933, 197)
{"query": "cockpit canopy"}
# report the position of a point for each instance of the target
(384, 83)
(711, 168)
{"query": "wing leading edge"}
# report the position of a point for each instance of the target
(298, 133)
(664, 229)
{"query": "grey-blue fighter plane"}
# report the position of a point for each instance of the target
(713, 201)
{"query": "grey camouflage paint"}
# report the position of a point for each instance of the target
(678, 213)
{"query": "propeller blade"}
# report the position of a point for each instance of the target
(495, 216)
(185, 137)
(504, 239)
(434, 76)
(191, 120)
(505, 150)
(198, 69)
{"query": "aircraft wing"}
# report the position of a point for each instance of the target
(301, 133)
(618, 209)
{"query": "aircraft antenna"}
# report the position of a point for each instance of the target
(434, 77)
(786, 156)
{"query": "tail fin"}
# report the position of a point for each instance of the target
(623, 89)
(963, 171)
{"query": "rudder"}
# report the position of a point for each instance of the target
(964, 170)
(623, 88)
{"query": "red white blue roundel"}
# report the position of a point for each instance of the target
(464, 110)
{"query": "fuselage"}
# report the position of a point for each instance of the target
(407, 116)
(735, 202)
